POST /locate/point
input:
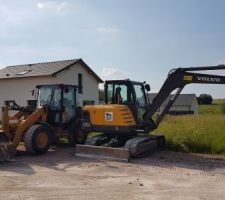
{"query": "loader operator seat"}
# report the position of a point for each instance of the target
(117, 97)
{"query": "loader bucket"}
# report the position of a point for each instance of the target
(105, 153)
(6, 151)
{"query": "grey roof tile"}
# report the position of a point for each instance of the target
(42, 69)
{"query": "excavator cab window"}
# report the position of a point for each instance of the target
(118, 93)
(141, 102)
(126, 92)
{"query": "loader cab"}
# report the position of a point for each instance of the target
(60, 101)
(130, 93)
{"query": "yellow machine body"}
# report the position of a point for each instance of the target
(15, 126)
(110, 115)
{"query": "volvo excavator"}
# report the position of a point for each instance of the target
(127, 117)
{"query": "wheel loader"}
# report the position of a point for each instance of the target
(127, 117)
(52, 115)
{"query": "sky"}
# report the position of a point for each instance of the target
(137, 39)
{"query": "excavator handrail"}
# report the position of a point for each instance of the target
(205, 68)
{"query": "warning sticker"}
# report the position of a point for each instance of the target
(108, 116)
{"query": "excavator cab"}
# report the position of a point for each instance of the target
(130, 93)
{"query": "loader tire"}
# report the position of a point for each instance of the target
(76, 135)
(37, 139)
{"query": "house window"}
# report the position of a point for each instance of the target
(80, 83)
(88, 102)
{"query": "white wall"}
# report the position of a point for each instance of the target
(19, 89)
(90, 84)
(194, 106)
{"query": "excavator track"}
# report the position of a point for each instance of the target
(142, 145)
(135, 147)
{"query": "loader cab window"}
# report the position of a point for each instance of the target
(45, 95)
(56, 98)
(61, 102)
(69, 103)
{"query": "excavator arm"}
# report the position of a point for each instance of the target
(177, 79)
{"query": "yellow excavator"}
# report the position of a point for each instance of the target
(127, 117)
(54, 114)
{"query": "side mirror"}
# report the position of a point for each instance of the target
(147, 87)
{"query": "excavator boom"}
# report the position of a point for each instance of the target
(177, 79)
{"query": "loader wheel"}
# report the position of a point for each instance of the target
(37, 139)
(76, 135)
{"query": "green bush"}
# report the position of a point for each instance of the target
(205, 99)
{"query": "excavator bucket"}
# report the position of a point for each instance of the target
(105, 153)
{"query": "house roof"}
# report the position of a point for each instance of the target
(43, 69)
(182, 99)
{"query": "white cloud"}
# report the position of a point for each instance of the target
(53, 6)
(107, 30)
(112, 73)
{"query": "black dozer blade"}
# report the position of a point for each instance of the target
(101, 152)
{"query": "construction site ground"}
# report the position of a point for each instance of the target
(161, 175)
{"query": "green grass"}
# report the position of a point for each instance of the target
(202, 133)
(218, 107)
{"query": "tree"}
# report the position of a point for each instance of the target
(205, 99)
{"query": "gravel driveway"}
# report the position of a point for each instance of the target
(161, 175)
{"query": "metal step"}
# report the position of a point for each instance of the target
(105, 153)
(98, 140)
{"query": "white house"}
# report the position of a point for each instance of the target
(184, 104)
(17, 82)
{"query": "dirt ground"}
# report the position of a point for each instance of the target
(161, 175)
